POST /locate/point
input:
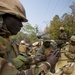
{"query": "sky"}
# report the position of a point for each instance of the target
(41, 12)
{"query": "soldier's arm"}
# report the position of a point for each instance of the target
(40, 51)
(23, 59)
(20, 60)
(39, 56)
(6, 68)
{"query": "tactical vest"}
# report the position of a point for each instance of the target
(66, 63)
(8, 49)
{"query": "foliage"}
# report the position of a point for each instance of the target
(67, 21)
(30, 30)
(53, 28)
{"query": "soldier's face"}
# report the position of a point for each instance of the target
(61, 30)
(13, 24)
(46, 44)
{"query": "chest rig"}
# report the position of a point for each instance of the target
(71, 52)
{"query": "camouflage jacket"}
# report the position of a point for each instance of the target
(9, 49)
(6, 68)
(66, 63)
(10, 52)
(42, 50)
(63, 36)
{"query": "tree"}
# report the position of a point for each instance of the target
(30, 30)
(67, 21)
(73, 8)
(54, 27)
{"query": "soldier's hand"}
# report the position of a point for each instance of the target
(53, 58)
(39, 58)
(48, 53)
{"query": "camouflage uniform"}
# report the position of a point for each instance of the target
(43, 50)
(6, 68)
(9, 49)
(7, 52)
(9, 69)
(35, 47)
(62, 38)
(63, 35)
(22, 58)
(66, 63)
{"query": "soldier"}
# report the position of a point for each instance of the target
(22, 50)
(46, 49)
(22, 46)
(62, 38)
(66, 63)
(35, 47)
(63, 35)
(12, 15)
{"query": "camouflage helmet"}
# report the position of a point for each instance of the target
(46, 38)
(13, 7)
(35, 43)
(72, 38)
(61, 28)
(22, 42)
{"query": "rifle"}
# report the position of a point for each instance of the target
(40, 36)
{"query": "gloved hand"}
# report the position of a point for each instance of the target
(39, 58)
(52, 60)
(36, 59)
(48, 53)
